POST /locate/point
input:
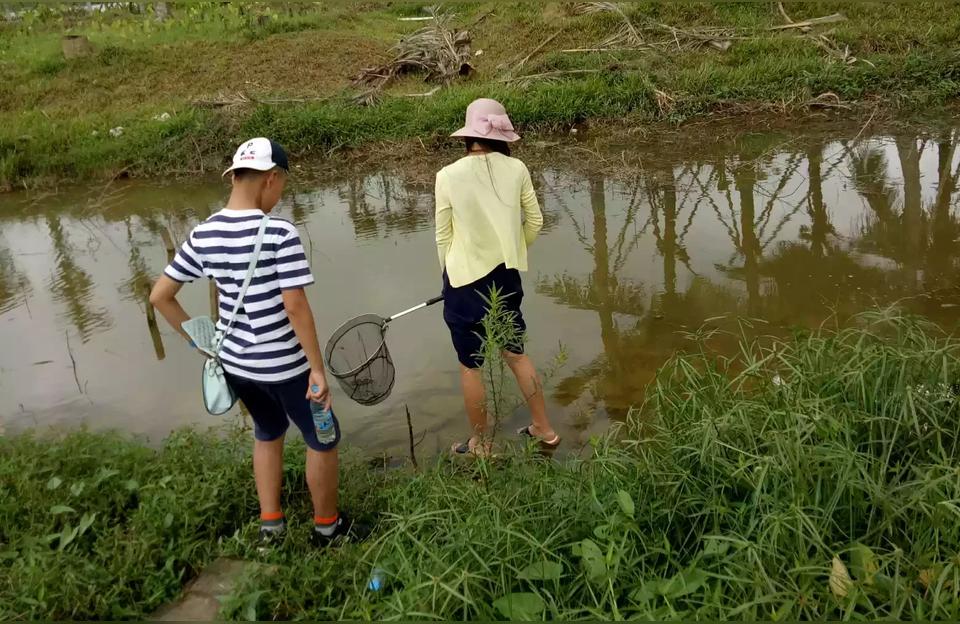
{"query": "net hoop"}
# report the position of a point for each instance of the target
(363, 319)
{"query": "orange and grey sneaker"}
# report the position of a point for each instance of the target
(273, 527)
(337, 529)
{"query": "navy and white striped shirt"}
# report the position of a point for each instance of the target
(262, 345)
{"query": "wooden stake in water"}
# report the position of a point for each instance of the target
(214, 302)
(413, 446)
(153, 328)
(168, 244)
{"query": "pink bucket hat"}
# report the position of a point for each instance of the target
(487, 119)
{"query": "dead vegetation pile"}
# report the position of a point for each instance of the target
(438, 51)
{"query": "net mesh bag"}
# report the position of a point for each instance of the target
(357, 356)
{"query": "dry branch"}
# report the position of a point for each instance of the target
(549, 75)
(630, 36)
(239, 98)
(427, 94)
(816, 21)
(533, 52)
(783, 12)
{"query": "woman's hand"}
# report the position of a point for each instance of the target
(318, 391)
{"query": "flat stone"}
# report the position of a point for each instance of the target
(189, 608)
(218, 578)
(201, 599)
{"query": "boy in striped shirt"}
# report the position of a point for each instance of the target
(271, 356)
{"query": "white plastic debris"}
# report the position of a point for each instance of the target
(778, 381)
(115, 132)
(478, 53)
(161, 117)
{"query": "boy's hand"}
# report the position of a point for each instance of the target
(318, 391)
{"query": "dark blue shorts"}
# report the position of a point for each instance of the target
(464, 308)
(273, 405)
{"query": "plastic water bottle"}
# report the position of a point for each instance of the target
(377, 580)
(323, 421)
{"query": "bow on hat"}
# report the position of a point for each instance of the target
(488, 123)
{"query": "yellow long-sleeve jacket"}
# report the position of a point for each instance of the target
(487, 215)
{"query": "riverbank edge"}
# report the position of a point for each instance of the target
(195, 142)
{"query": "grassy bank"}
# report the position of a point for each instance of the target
(288, 67)
(808, 478)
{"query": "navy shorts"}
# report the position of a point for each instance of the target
(464, 308)
(273, 405)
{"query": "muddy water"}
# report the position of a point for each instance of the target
(786, 227)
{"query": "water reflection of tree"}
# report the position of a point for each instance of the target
(815, 273)
(551, 217)
(72, 286)
(945, 229)
(631, 349)
(674, 194)
(14, 285)
(750, 232)
(399, 206)
(921, 240)
(382, 205)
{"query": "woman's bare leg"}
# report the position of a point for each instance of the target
(475, 401)
(532, 389)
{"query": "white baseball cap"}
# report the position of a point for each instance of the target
(259, 154)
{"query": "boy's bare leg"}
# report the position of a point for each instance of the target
(323, 480)
(530, 385)
(268, 473)
(475, 401)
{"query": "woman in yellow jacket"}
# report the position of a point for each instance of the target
(487, 216)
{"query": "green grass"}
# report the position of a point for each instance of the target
(727, 495)
(907, 56)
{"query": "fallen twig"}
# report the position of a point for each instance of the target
(481, 18)
(243, 99)
(585, 50)
(865, 126)
(783, 12)
(827, 100)
(550, 74)
(537, 49)
(73, 361)
(816, 21)
(427, 94)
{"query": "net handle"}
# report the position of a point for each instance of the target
(419, 306)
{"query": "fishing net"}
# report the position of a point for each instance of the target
(357, 356)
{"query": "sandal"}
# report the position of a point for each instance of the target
(554, 442)
(464, 448)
